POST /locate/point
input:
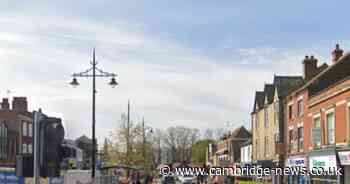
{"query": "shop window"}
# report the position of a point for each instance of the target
(330, 128)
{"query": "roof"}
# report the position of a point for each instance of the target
(240, 132)
(259, 99)
(269, 90)
(283, 84)
(84, 139)
(246, 143)
(340, 70)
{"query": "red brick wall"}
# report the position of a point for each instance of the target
(295, 120)
(336, 96)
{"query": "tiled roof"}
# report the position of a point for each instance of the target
(269, 90)
(259, 99)
(239, 131)
(283, 84)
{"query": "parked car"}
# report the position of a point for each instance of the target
(169, 179)
(186, 179)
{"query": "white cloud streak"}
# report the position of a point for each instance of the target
(168, 83)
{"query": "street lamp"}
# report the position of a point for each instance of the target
(96, 72)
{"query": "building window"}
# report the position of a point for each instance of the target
(256, 150)
(30, 148)
(300, 138)
(257, 120)
(300, 107)
(24, 148)
(317, 131)
(3, 141)
(290, 111)
(24, 128)
(290, 139)
(30, 130)
(330, 127)
(266, 145)
(277, 109)
(266, 114)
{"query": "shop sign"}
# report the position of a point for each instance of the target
(325, 162)
(296, 162)
(344, 157)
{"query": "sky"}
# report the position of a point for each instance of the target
(185, 62)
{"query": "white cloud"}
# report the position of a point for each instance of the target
(168, 83)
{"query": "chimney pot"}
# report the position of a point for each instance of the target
(20, 104)
(337, 53)
(5, 104)
(309, 67)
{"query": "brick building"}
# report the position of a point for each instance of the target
(16, 130)
(318, 119)
(229, 147)
(296, 111)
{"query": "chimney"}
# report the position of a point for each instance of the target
(5, 104)
(336, 53)
(20, 104)
(310, 67)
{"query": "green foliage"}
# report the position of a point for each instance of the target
(199, 150)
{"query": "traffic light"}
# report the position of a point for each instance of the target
(24, 165)
(51, 137)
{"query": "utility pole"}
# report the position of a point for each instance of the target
(37, 118)
(93, 115)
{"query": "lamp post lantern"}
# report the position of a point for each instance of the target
(74, 83)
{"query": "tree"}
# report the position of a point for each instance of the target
(178, 142)
(199, 150)
(129, 146)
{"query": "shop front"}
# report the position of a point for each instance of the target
(294, 162)
(264, 164)
(344, 159)
(323, 160)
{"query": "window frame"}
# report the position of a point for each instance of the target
(315, 117)
(300, 107)
(290, 111)
(300, 138)
(330, 112)
(266, 117)
(24, 128)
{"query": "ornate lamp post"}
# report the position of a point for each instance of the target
(96, 72)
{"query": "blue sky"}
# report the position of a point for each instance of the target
(193, 63)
